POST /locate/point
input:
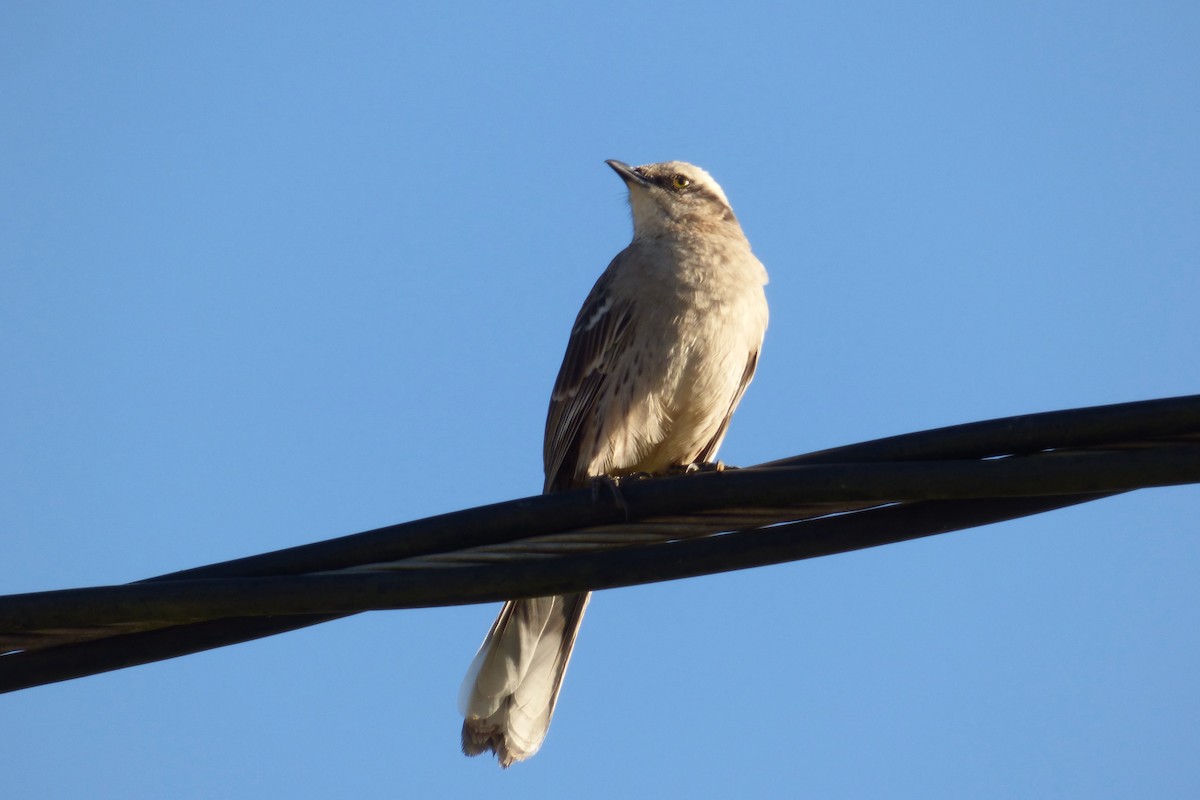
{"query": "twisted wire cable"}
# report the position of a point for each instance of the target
(639, 531)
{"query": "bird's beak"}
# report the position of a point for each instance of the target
(627, 173)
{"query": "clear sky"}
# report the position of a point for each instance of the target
(276, 272)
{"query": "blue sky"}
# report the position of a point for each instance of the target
(274, 273)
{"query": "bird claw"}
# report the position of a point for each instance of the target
(699, 466)
(607, 482)
(612, 484)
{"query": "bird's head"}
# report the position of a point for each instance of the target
(674, 196)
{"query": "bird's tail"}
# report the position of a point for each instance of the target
(509, 693)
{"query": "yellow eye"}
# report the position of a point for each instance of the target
(680, 182)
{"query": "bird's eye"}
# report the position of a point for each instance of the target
(680, 182)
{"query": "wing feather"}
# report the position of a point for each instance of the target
(600, 330)
(710, 449)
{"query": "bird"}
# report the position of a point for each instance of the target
(657, 361)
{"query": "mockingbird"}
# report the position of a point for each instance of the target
(658, 359)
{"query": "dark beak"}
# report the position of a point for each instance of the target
(627, 173)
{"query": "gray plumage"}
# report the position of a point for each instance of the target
(658, 358)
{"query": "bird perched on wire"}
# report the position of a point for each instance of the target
(658, 359)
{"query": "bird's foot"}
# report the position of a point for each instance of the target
(607, 483)
(699, 466)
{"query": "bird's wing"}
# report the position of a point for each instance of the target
(710, 449)
(600, 331)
